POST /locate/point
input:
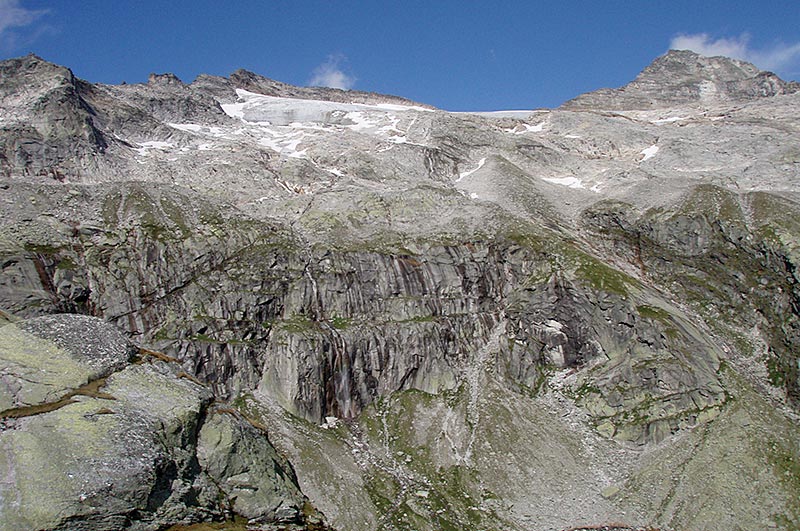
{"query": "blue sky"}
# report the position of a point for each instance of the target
(457, 55)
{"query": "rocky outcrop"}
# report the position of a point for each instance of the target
(683, 77)
(731, 257)
(648, 371)
(49, 148)
(91, 441)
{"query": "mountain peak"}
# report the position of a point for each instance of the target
(682, 77)
(164, 79)
(688, 66)
(32, 67)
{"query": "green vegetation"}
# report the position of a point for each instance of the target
(298, 324)
(42, 248)
(714, 203)
(654, 313)
(586, 388)
(67, 264)
(341, 323)
(602, 277)
(775, 215)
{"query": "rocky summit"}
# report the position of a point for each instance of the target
(239, 304)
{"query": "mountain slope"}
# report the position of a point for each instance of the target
(444, 320)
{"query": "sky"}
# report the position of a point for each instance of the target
(459, 55)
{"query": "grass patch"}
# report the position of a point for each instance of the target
(602, 277)
(653, 313)
(298, 324)
(341, 323)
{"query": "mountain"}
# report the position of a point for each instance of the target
(682, 77)
(352, 310)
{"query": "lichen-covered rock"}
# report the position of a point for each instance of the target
(42, 359)
(129, 451)
(109, 461)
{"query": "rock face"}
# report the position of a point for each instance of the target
(444, 320)
(113, 445)
(683, 77)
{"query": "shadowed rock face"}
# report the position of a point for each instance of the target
(444, 320)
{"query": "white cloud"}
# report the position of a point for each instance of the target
(779, 57)
(13, 15)
(329, 74)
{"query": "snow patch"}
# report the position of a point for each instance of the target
(276, 115)
(521, 129)
(649, 153)
(253, 107)
(330, 422)
(571, 182)
(669, 120)
(284, 143)
(336, 171)
(199, 129)
(397, 107)
(470, 172)
(194, 128)
(153, 144)
(555, 325)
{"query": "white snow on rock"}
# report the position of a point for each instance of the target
(330, 422)
(521, 129)
(336, 171)
(396, 107)
(153, 144)
(669, 119)
(649, 153)
(256, 108)
(555, 325)
(571, 182)
(199, 129)
(470, 172)
(284, 143)
(279, 116)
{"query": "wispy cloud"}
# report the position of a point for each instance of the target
(330, 74)
(780, 57)
(14, 16)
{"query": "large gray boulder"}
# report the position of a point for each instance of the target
(90, 442)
